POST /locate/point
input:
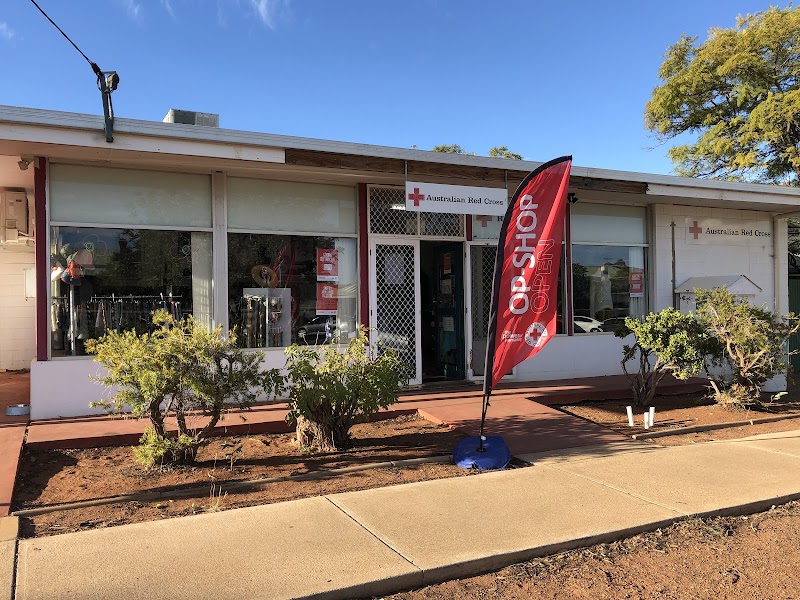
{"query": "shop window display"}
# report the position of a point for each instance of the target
(608, 285)
(106, 279)
(286, 289)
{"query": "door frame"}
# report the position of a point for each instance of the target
(373, 293)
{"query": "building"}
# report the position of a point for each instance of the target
(299, 240)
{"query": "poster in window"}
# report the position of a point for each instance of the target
(328, 264)
(327, 298)
(447, 263)
(636, 279)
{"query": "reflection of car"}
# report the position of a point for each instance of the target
(612, 323)
(399, 343)
(319, 330)
(587, 324)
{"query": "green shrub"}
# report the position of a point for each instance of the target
(184, 371)
(664, 342)
(753, 340)
(332, 389)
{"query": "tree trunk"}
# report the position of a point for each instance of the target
(324, 437)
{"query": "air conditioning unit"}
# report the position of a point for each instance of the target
(13, 216)
(190, 117)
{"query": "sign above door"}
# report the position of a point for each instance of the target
(455, 199)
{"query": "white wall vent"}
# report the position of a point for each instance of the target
(191, 117)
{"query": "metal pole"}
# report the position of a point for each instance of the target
(484, 408)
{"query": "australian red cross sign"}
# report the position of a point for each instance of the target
(455, 199)
(729, 232)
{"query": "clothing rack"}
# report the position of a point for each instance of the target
(73, 322)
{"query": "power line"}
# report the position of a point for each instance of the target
(95, 68)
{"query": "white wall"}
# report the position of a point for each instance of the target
(728, 255)
(64, 387)
(750, 256)
(582, 355)
(17, 325)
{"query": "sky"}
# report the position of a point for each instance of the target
(544, 79)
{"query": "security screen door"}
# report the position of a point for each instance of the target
(394, 301)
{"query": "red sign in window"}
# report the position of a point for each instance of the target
(327, 264)
(636, 279)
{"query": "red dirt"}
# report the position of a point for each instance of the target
(685, 410)
(738, 558)
(50, 477)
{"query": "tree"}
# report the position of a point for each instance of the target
(739, 94)
(496, 152)
(331, 390)
(753, 340)
(504, 152)
(664, 342)
(452, 149)
(182, 370)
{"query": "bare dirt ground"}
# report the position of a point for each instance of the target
(56, 476)
(750, 557)
(53, 477)
(687, 410)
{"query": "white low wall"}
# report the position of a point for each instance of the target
(64, 387)
(583, 355)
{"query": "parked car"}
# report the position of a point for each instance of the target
(587, 324)
(612, 323)
(319, 330)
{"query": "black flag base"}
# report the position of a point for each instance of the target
(483, 453)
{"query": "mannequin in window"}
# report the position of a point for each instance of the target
(601, 305)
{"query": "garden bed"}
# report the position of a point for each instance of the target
(689, 410)
(52, 477)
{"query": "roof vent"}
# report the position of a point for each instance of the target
(190, 117)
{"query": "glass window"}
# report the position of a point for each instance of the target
(486, 227)
(287, 289)
(287, 206)
(104, 279)
(608, 284)
(109, 196)
(608, 223)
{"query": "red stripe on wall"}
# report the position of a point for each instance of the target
(468, 222)
(41, 255)
(363, 254)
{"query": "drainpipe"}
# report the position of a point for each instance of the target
(675, 303)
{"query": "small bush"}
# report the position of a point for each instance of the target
(753, 340)
(665, 342)
(181, 370)
(330, 390)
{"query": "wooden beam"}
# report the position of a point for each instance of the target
(419, 169)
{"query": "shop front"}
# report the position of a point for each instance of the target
(288, 241)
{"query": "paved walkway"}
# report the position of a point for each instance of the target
(373, 542)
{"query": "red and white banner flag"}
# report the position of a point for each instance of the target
(522, 318)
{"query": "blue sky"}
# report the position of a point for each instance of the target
(544, 79)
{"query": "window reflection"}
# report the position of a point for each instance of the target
(608, 285)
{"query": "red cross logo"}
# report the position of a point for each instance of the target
(416, 197)
(485, 220)
(696, 230)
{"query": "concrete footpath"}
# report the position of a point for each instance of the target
(374, 542)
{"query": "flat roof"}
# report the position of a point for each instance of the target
(659, 185)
